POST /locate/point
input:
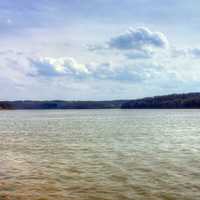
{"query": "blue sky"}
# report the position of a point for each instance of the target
(98, 49)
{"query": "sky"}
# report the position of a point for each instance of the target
(98, 49)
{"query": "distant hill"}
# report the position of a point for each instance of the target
(173, 101)
(18, 105)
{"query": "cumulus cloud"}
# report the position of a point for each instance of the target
(135, 43)
(58, 66)
(69, 67)
(138, 38)
(120, 72)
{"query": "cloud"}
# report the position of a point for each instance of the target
(187, 52)
(195, 52)
(135, 43)
(140, 54)
(58, 66)
(138, 38)
(96, 47)
(69, 68)
(114, 72)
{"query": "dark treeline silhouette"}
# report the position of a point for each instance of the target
(173, 101)
(17, 105)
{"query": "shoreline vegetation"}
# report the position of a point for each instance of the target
(172, 101)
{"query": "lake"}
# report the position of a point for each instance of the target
(100, 155)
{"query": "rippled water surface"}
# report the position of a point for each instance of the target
(100, 155)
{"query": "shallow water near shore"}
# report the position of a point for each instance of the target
(100, 155)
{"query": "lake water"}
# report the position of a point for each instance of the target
(100, 155)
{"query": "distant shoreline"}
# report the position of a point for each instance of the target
(172, 101)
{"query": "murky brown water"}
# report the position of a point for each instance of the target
(100, 155)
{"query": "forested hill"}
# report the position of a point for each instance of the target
(173, 101)
(191, 100)
(16, 105)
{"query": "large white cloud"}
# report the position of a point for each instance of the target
(48, 66)
(136, 72)
(69, 67)
(135, 43)
(138, 38)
